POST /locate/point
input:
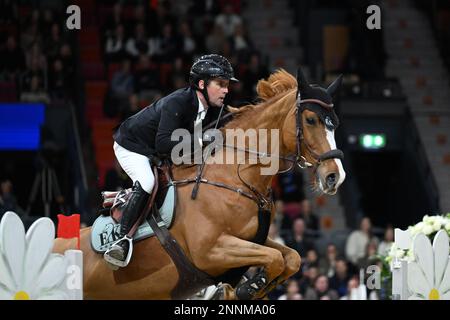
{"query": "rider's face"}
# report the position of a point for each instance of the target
(217, 90)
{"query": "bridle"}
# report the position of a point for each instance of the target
(301, 160)
(298, 159)
(261, 199)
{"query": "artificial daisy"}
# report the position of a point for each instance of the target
(429, 274)
(28, 269)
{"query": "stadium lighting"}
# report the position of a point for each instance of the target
(373, 141)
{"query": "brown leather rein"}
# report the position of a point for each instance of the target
(264, 200)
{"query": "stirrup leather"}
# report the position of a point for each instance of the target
(118, 262)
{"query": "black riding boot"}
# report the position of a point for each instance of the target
(120, 254)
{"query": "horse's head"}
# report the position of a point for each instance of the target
(310, 131)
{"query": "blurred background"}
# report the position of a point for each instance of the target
(63, 91)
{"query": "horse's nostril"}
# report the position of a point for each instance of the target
(331, 180)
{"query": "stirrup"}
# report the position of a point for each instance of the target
(115, 246)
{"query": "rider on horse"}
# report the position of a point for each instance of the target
(148, 133)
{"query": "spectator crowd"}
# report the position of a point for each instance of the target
(147, 50)
(37, 63)
(330, 270)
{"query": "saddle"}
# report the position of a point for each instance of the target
(162, 202)
(114, 201)
(156, 219)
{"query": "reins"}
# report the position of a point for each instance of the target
(298, 158)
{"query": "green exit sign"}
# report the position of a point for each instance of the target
(372, 141)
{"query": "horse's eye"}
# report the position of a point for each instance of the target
(310, 121)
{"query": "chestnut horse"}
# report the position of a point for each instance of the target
(215, 229)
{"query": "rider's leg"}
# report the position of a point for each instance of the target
(136, 166)
(139, 170)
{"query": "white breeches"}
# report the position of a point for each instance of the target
(136, 166)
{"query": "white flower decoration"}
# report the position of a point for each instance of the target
(447, 226)
(437, 225)
(410, 255)
(418, 228)
(427, 229)
(429, 275)
(28, 269)
(399, 253)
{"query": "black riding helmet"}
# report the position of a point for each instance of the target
(208, 67)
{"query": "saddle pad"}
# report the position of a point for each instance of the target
(105, 231)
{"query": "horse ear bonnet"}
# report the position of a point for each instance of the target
(326, 115)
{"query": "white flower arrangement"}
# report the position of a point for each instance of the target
(429, 226)
(425, 247)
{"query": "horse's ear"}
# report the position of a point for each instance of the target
(334, 87)
(302, 83)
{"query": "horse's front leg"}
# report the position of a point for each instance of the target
(292, 263)
(231, 252)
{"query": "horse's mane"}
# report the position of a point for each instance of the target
(279, 83)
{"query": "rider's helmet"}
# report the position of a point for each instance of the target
(208, 67)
